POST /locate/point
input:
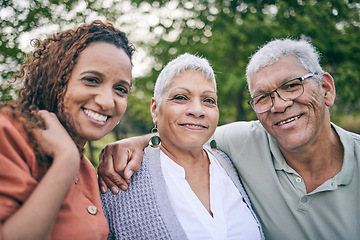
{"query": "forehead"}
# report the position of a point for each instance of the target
(104, 58)
(191, 79)
(103, 52)
(271, 76)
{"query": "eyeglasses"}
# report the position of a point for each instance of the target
(288, 91)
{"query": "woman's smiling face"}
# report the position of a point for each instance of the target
(96, 96)
(188, 114)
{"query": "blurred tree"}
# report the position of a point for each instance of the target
(226, 32)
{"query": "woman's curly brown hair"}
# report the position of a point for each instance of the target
(46, 75)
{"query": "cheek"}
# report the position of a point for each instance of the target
(214, 118)
(315, 100)
(121, 106)
(70, 101)
(165, 119)
(65, 102)
(66, 107)
(263, 117)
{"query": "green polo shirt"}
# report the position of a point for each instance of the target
(278, 194)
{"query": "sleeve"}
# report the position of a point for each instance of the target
(17, 167)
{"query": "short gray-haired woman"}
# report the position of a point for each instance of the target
(183, 190)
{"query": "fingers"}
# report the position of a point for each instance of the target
(118, 161)
(102, 184)
(48, 117)
(106, 183)
(134, 165)
(111, 170)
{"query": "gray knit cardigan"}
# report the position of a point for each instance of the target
(144, 210)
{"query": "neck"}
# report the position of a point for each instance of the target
(196, 165)
(185, 157)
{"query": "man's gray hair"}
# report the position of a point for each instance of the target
(180, 64)
(271, 52)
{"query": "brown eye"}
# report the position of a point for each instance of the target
(122, 91)
(180, 97)
(210, 100)
(90, 80)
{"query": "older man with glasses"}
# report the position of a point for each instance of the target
(301, 172)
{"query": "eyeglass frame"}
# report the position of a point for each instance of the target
(301, 79)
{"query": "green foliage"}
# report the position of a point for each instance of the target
(6, 93)
(226, 32)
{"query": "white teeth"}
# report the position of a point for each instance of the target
(289, 120)
(96, 116)
(193, 125)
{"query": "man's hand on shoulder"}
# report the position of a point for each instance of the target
(118, 161)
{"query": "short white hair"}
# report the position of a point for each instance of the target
(180, 64)
(271, 52)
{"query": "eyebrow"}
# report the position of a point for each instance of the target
(182, 88)
(92, 72)
(260, 92)
(125, 82)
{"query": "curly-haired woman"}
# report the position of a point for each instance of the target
(75, 90)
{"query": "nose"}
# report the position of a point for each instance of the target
(105, 99)
(196, 109)
(279, 104)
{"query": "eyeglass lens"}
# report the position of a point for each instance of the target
(287, 91)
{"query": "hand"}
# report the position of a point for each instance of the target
(118, 161)
(55, 140)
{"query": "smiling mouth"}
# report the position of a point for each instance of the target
(193, 125)
(288, 120)
(95, 116)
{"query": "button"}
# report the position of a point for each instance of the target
(304, 199)
(298, 180)
(92, 210)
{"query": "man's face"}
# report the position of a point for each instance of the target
(299, 122)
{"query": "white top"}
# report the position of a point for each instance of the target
(231, 217)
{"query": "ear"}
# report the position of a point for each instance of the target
(328, 86)
(153, 110)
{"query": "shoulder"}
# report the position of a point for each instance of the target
(225, 162)
(18, 164)
(346, 135)
(138, 212)
(7, 119)
(11, 126)
(240, 129)
(141, 183)
(237, 136)
(12, 133)
(221, 157)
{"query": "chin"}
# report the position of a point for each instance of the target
(292, 144)
(93, 137)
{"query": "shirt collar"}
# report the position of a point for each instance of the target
(342, 178)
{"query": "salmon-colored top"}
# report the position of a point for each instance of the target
(18, 173)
